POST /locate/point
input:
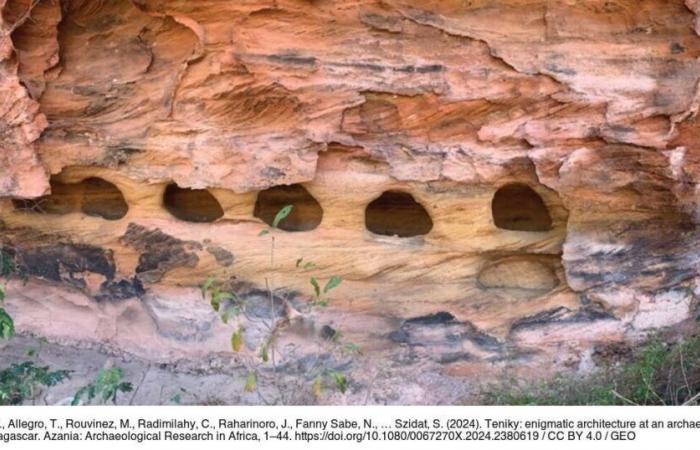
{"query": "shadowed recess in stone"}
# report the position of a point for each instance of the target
(306, 214)
(191, 205)
(92, 196)
(517, 207)
(518, 277)
(397, 213)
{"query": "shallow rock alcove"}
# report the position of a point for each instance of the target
(306, 214)
(191, 205)
(396, 213)
(518, 207)
(93, 196)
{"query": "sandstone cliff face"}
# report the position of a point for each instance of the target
(505, 183)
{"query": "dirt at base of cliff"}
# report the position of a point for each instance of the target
(406, 380)
(221, 382)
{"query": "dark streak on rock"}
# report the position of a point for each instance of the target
(160, 252)
(380, 22)
(328, 332)
(68, 263)
(431, 68)
(62, 262)
(120, 290)
(438, 318)
(444, 336)
(256, 303)
(272, 172)
(222, 256)
(562, 315)
(371, 67)
(449, 358)
(560, 70)
(292, 59)
(677, 48)
(399, 336)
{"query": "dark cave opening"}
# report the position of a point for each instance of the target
(103, 199)
(305, 216)
(192, 205)
(396, 213)
(93, 196)
(518, 207)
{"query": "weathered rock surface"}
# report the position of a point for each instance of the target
(501, 184)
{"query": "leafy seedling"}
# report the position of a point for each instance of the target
(281, 215)
(107, 385)
(332, 283)
(21, 381)
(7, 325)
(237, 340)
(341, 382)
(304, 265)
(251, 383)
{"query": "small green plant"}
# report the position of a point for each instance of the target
(251, 382)
(218, 296)
(332, 283)
(7, 325)
(20, 382)
(176, 398)
(228, 305)
(107, 385)
(341, 382)
(7, 269)
(334, 378)
(183, 396)
(304, 265)
(7, 264)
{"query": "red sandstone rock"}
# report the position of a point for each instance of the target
(591, 104)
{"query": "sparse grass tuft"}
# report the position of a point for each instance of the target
(657, 373)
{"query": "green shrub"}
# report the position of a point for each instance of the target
(20, 382)
(107, 385)
(657, 373)
(7, 269)
(229, 307)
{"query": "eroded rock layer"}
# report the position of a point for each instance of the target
(507, 183)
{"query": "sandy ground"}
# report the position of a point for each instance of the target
(393, 383)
